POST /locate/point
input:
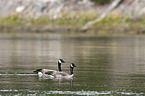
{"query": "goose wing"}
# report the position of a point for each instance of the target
(61, 74)
(48, 72)
(37, 70)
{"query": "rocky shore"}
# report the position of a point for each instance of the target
(70, 16)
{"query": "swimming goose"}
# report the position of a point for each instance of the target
(65, 75)
(46, 72)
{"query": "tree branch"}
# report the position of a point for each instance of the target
(110, 8)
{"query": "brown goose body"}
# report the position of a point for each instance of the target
(47, 71)
(56, 74)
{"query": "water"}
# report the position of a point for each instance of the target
(105, 65)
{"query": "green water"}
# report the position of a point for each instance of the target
(105, 65)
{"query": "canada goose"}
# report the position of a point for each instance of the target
(42, 72)
(65, 75)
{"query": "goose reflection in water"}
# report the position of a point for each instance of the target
(60, 82)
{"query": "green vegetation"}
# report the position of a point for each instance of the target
(113, 23)
(10, 21)
(102, 2)
(74, 20)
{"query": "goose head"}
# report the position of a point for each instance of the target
(61, 61)
(59, 64)
(72, 67)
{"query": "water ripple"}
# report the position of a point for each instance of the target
(71, 92)
(18, 74)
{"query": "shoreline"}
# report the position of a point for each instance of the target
(98, 30)
(108, 26)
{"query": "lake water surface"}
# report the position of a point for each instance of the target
(105, 65)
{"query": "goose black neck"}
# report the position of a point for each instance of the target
(59, 67)
(71, 70)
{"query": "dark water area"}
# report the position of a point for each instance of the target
(113, 65)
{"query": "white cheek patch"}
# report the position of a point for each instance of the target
(71, 65)
(59, 61)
